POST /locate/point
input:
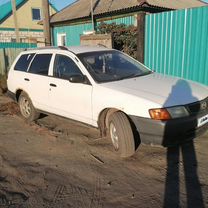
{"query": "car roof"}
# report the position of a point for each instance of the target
(73, 49)
(85, 49)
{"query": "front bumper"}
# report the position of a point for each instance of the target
(169, 133)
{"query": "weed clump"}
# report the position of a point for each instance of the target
(3, 84)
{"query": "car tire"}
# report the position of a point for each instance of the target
(27, 109)
(121, 134)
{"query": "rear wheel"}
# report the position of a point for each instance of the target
(26, 108)
(121, 134)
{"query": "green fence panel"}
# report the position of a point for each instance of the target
(8, 53)
(176, 43)
(17, 45)
(7, 56)
(127, 20)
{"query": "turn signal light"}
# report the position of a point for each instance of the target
(159, 114)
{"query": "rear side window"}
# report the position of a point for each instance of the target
(24, 62)
(40, 64)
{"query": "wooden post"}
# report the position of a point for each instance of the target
(6, 62)
(46, 22)
(92, 15)
(141, 36)
(15, 20)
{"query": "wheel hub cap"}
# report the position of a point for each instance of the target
(114, 136)
(25, 107)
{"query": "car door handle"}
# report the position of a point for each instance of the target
(52, 85)
(26, 79)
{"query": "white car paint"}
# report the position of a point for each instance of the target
(71, 100)
(158, 88)
(84, 103)
(136, 96)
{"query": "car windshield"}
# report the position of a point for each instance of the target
(107, 66)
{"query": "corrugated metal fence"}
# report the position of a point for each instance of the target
(8, 53)
(176, 43)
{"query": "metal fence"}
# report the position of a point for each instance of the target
(8, 53)
(176, 43)
(17, 45)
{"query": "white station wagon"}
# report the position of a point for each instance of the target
(109, 90)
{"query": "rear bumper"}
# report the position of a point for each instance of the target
(169, 133)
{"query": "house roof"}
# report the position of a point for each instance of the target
(6, 8)
(176, 4)
(82, 8)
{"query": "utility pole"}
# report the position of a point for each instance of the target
(15, 20)
(46, 22)
(140, 36)
(92, 15)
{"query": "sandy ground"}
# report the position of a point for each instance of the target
(57, 163)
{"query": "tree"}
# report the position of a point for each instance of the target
(124, 37)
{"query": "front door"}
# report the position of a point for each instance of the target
(72, 100)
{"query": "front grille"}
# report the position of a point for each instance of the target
(198, 107)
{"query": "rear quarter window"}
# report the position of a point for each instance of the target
(24, 62)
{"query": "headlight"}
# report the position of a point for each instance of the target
(168, 113)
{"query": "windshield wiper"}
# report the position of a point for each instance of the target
(129, 76)
(133, 76)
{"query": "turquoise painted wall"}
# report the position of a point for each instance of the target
(128, 20)
(73, 32)
(176, 43)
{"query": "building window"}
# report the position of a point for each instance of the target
(61, 39)
(36, 14)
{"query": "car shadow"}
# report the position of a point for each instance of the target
(182, 161)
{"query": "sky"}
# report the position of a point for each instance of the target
(60, 4)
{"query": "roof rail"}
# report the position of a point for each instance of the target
(48, 47)
(63, 48)
(101, 45)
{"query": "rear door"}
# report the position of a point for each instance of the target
(37, 80)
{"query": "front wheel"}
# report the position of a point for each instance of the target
(121, 134)
(26, 108)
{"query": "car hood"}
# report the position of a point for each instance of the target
(161, 89)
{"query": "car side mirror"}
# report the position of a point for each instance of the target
(77, 78)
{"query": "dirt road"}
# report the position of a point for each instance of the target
(56, 163)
